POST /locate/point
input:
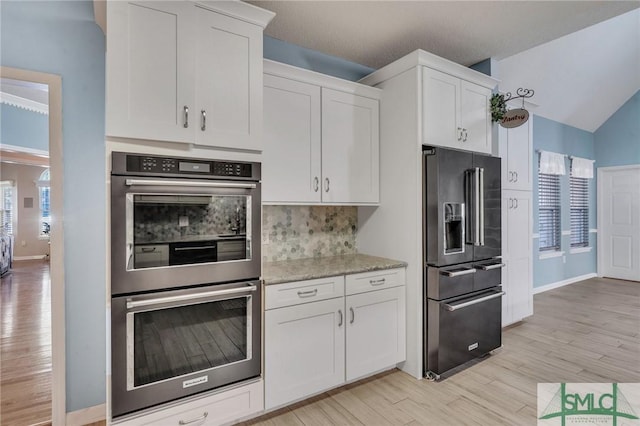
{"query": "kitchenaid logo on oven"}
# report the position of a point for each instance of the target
(563, 404)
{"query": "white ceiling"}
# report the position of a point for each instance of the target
(579, 80)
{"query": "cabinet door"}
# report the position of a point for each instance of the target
(304, 350)
(519, 224)
(150, 67)
(520, 289)
(516, 150)
(228, 82)
(376, 334)
(441, 109)
(350, 148)
(291, 152)
(475, 117)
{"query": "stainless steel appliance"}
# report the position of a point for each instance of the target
(185, 277)
(178, 222)
(462, 249)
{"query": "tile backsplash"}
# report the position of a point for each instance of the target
(297, 232)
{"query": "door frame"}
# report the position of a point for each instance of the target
(599, 209)
(58, 383)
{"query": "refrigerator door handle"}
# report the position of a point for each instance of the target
(476, 206)
(481, 224)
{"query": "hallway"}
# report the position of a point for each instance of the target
(25, 342)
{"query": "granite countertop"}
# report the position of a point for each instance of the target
(319, 267)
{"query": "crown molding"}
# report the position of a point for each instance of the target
(28, 104)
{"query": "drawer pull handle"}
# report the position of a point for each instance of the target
(188, 422)
(308, 293)
(490, 267)
(458, 273)
(340, 322)
(353, 316)
(148, 250)
(377, 282)
(452, 308)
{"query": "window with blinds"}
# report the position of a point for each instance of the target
(579, 190)
(6, 210)
(549, 212)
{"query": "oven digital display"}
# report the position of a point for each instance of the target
(195, 167)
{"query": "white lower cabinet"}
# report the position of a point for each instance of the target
(317, 345)
(304, 350)
(217, 409)
(375, 331)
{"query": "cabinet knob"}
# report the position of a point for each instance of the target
(326, 184)
(186, 117)
(316, 184)
(459, 133)
(353, 316)
(515, 201)
(204, 120)
(340, 315)
(515, 176)
(464, 138)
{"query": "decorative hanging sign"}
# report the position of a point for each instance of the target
(514, 118)
(510, 118)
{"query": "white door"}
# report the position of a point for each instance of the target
(441, 109)
(304, 350)
(375, 331)
(350, 148)
(228, 82)
(475, 117)
(150, 70)
(619, 222)
(291, 153)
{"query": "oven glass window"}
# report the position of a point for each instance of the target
(172, 342)
(171, 229)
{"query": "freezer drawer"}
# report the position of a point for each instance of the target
(462, 328)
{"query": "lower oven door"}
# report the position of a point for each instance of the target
(463, 328)
(172, 344)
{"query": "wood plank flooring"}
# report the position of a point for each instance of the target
(585, 332)
(25, 344)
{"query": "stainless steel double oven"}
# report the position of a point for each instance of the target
(185, 277)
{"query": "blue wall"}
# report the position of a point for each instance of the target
(617, 141)
(298, 56)
(61, 37)
(552, 136)
(20, 127)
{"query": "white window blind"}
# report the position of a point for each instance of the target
(45, 203)
(549, 211)
(579, 189)
(7, 207)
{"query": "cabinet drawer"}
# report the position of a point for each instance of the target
(150, 256)
(375, 280)
(295, 293)
(220, 408)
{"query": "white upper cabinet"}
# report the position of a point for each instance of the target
(180, 72)
(350, 143)
(321, 139)
(291, 169)
(456, 112)
(516, 149)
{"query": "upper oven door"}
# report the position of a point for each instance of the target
(172, 232)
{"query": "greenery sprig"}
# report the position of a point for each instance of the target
(498, 107)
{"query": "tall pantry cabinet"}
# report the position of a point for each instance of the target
(517, 222)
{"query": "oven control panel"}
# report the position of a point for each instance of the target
(186, 166)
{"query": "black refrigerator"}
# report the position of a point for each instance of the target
(462, 258)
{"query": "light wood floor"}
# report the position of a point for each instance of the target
(585, 332)
(25, 345)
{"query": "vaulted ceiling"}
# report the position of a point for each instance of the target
(375, 33)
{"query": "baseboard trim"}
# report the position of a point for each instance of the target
(87, 415)
(562, 283)
(37, 257)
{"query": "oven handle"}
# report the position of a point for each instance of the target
(132, 304)
(452, 308)
(490, 267)
(199, 184)
(458, 273)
